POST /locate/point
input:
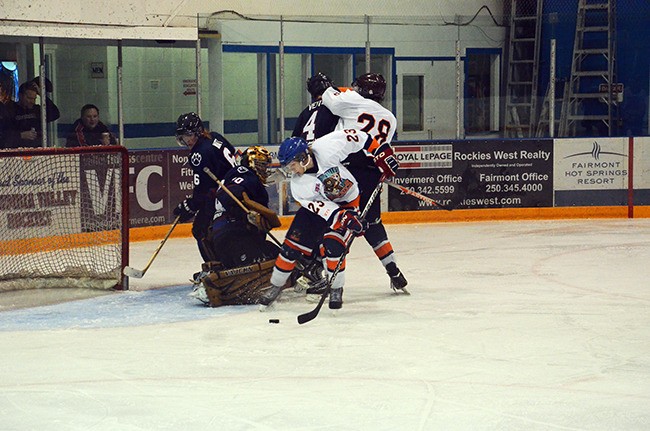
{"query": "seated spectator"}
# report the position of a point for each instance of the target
(27, 114)
(88, 130)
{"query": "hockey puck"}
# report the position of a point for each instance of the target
(274, 320)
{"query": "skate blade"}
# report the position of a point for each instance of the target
(402, 291)
(265, 308)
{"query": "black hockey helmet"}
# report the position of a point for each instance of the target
(258, 159)
(371, 86)
(188, 124)
(317, 84)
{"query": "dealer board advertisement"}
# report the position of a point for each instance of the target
(475, 174)
(160, 179)
(76, 195)
(591, 171)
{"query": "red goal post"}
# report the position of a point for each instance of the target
(64, 219)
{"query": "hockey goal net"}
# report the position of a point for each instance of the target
(63, 217)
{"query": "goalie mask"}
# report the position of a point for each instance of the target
(258, 159)
(371, 86)
(189, 124)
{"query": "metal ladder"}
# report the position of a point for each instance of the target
(592, 101)
(523, 68)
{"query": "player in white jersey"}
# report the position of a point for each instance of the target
(360, 109)
(329, 203)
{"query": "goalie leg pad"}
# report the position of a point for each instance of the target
(238, 286)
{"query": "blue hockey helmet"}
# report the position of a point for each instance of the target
(291, 149)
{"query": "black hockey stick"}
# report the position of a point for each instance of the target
(419, 196)
(139, 273)
(311, 315)
(246, 210)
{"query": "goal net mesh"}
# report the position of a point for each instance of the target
(63, 218)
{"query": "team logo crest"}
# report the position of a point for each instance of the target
(195, 159)
(335, 185)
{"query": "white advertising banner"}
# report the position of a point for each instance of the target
(591, 164)
(34, 199)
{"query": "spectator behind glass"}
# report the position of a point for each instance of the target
(88, 130)
(27, 116)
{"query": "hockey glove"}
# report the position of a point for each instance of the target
(184, 211)
(348, 219)
(386, 162)
(258, 221)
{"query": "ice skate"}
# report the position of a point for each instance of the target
(269, 297)
(397, 280)
(198, 277)
(336, 298)
(199, 293)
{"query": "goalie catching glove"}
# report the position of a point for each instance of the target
(260, 216)
(258, 221)
(184, 211)
(386, 162)
(349, 219)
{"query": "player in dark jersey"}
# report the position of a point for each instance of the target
(207, 149)
(315, 120)
(238, 237)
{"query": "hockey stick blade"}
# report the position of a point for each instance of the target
(311, 315)
(132, 272)
(139, 273)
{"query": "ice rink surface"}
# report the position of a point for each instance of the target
(535, 325)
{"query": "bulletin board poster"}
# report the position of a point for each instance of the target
(473, 174)
(591, 171)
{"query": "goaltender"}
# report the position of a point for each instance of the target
(236, 243)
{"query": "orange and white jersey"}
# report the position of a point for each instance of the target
(355, 111)
(330, 185)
